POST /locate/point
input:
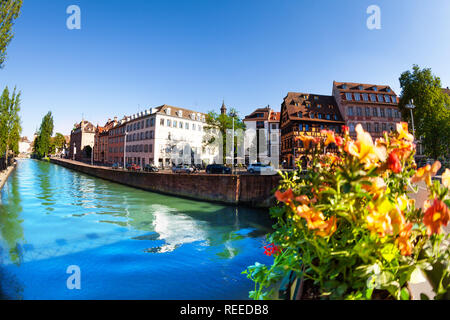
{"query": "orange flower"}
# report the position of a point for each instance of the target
(346, 130)
(435, 217)
(403, 148)
(364, 148)
(307, 140)
(285, 197)
(329, 229)
(425, 173)
(446, 178)
(402, 129)
(339, 141)
(403, 242)
(394, 163)
(379, 222)
(302, 199)
(330, 137)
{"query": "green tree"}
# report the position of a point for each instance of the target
(432, 112)
(43, 142)
(10, 127)
(222, 122)
(9, 11)
(58, 143)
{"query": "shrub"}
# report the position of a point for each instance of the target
(348, 226)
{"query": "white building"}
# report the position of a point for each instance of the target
(160, 135)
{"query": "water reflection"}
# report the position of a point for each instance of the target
(121, 236)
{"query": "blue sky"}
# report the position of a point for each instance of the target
(132, 55)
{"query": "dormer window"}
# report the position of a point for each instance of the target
(360, 87)
(344, 86)
(388, 90)
(319, 106)
(300, 115)
(375, 89)
(316, 97)
(168, 111)
(179, 113)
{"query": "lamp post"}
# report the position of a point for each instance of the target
(125, 149)
(232, 114)
(411, 106)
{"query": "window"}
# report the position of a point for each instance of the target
(152, 122)
(359, 111)
(300, 127)
(344, 86)
(147, 123)
(348, 96)
(151, 135)
(352, 127)
(150, 148)
(383, 126)
(382, 112)
(387, 98)
(181, 125)
(161, 122)
(380, 98)
(375, 89)
(360, 88)
(389, 111)
(367, 112)
(146, 134)
(193, 126)
(319, 106)
(357, 96)
(377, 127)
(320, 116)
(306, 127)
(373, 98)
(186, 126)
(365, 97)
(311, 115)
(335, 117)
(328, 117)
(394, 99)
(138, 125)
(175, 124)
(169, 123)
(369, 127)
(146, 148)
(134, 126)
(375, 112)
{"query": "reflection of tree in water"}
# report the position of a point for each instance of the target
(46, 191)
(11, 232)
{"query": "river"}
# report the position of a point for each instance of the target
(126, 243)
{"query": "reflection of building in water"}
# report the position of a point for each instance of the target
(175, 228)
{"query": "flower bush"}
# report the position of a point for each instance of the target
(347, 225)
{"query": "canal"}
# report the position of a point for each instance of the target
(127, 243)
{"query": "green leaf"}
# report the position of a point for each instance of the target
(404, 294)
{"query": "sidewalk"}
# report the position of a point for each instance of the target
(5, 174)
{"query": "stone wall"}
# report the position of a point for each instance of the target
(251, 190)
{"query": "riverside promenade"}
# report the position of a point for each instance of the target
(248, 190)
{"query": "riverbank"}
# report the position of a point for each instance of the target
(248, 190)
(5, 174)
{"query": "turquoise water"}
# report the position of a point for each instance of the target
(127, 243)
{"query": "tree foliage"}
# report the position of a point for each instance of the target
(43, 142)
(9, 11)
(432, 112)
(58, 143)
(10, 127)
(222, 123)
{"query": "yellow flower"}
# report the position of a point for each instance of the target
(364, 148)
(425, 173)
(446, 178)
(402, 129)
(379, 222)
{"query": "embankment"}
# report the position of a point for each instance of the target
(248, 190)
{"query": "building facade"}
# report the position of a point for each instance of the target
(374, 106)
(306, 114)
(101, 141)
(268, 121)
(116, 142)
(158, 135)
(82, 139)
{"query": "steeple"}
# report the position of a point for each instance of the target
(223, 109)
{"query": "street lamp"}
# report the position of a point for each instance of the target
(411, 106)
(232, 114)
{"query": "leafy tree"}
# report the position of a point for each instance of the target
(43, 142)
(432, 112)
(222, 123)
(9, 11)
(10, 127)
(58, 142)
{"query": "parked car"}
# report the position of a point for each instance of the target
(150, 168)
(218, 168)
(261, 169)
(133, 167)
(116, 166)
(182, 169)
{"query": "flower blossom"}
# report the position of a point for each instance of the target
(285, 197)
(436, 216)
(403, 242)
(425, 173)
(402, 129)
(364, 148)
(446, 178)
(271, 249)
(394, 163)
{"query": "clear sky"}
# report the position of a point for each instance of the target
(135, 54)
